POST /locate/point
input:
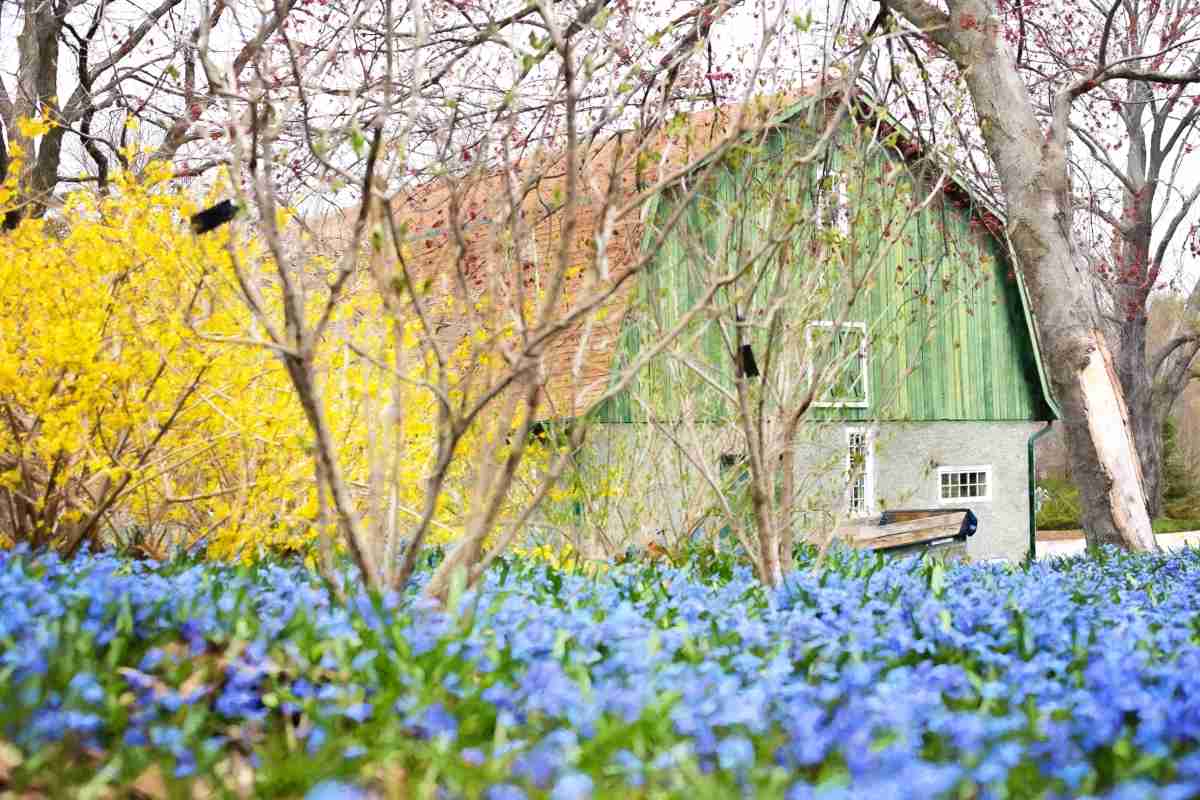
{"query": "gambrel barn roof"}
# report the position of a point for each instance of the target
(578, 366)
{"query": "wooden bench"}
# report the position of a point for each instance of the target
(907, 527)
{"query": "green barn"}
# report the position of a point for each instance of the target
(857, 282)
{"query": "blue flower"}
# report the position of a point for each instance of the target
(185, 763)
(359, 712)
(735, 753)
(135, 737)
(152, 659)
(335, 790)
(166, 737)
(856, 664)
(363, 659)
(572, 786)
(436, 722)
(472, 756)
(87, 687)
(316, 740)
(504, 791)
(630, 767)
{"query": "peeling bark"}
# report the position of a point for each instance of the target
(1108, 430)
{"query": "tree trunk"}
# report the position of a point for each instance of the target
(1147, 433)
(1131, 278)
(1141, 400)
(1032, 167)
(1100, 445)
(37, 93)
(1168, 384)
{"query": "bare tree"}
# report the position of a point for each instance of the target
(126, 63)
(734, 396)
(1131, 168)
(1031, 162)
(1142, 201)
(499, 238)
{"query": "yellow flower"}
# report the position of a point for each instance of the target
(33, 128)
(101, 346)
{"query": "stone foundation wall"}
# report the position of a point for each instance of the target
(643, 488)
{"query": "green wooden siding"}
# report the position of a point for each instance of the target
(948, 337)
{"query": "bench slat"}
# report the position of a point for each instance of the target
(938, 526)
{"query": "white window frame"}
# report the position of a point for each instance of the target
(839, 193)
(989, 476)
(868, 471)
(864, 363)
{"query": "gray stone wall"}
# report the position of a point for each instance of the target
(643, 487)
(908, 457)
(905, 467)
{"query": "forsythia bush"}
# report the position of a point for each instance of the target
(130, 402)
(117, 416)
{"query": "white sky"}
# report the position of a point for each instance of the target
(794, 56)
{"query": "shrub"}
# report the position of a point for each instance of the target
(116, 415)
(1060, 509)
(133, 411)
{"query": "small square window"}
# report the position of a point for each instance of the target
(956, 484)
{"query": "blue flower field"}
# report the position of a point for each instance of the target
(868, 678)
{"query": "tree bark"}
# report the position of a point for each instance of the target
(1034, 177)
(1142, 401)
(1131, 279)
(37, 90)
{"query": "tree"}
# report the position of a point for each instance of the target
(126, 64)
(1032, 165)
(737, 397)
(1159, 123)
(482, 222)
(132, 412)
(1132, 169)
(113, 416)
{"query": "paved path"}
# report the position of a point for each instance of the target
(1069, 547)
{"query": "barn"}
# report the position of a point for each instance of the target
(858, 286)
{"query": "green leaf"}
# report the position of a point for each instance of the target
(937, 579)
(458, 585)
